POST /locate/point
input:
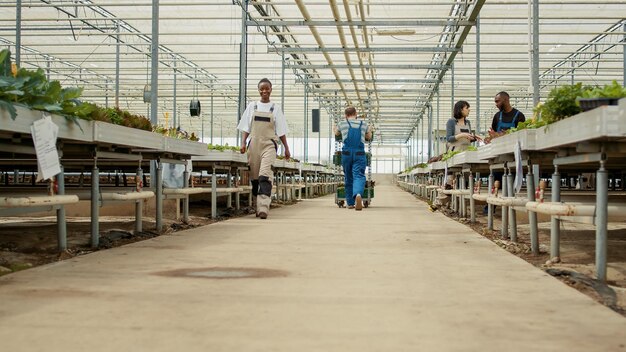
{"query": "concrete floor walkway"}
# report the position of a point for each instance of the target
(393, 277)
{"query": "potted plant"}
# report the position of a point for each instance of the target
(599, 96)
(561, 103)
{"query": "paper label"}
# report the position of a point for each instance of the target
(44, 133)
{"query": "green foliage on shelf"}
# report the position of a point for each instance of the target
(33, 90)
(471, 148)
(613, 90)
(529, 124)
(561, 103)
(173, 132)
(222, 148)
(449, 154)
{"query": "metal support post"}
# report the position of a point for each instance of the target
(505, 210)
(601, 220)
(186, 198)
(117, 65)
(213, 194)
(532, 216)
(229, 183)
(154, 71)
(535, 53)
(61, 224)
(139, 205)
(555, 230)
(471, 200)
(243, 64)
(489, 206)
(512, 212)
(238, 195)
(95, 206)
(18, 33)
(158, 187)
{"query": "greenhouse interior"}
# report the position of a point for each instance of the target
(487, 132)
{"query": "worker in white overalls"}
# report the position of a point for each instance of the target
(264, 123)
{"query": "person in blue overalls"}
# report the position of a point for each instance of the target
(507, 116)
(353, 160)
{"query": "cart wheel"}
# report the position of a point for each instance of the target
(340, 203)
(366, 203)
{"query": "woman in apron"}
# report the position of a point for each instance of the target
(459, 134)
(265, 124)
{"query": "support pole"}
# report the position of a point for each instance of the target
(505, 210)
(512, 215)
(243, 64)
(213, 195)
(535, 53)
(477, 74)
(159, 196)
(430, 132)
(18, 33)
(555, 230)
(117, 65)
(489, 206)
(154, 80)
(61, 224)
(175, 123)
(438, 137)
(139, 205)
(186, 199)
(532, 216)
(95, 206)
(471, 200)
(602, 198)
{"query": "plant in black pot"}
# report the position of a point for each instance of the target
(561, 103)
(598, 96)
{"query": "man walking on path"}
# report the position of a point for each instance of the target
(353, 160)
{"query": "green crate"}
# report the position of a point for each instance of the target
(367, 193)
(337, 159)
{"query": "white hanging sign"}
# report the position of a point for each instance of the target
(44, 133)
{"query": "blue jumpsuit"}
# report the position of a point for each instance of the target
(506, 125)
(353, 161)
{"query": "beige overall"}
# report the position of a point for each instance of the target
(261, 155)
(460, 144)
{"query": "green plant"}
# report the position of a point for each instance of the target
(449, 154)
(532, 123)
(561, 103)
(222, 148)
(613, 90)
(32, 89)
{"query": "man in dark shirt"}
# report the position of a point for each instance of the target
(507, 117)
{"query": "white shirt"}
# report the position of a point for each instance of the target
(280, 124)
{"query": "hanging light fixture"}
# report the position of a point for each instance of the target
(194, 105)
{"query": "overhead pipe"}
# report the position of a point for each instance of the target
(369, 56)
(342, 39)
(320, 43)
